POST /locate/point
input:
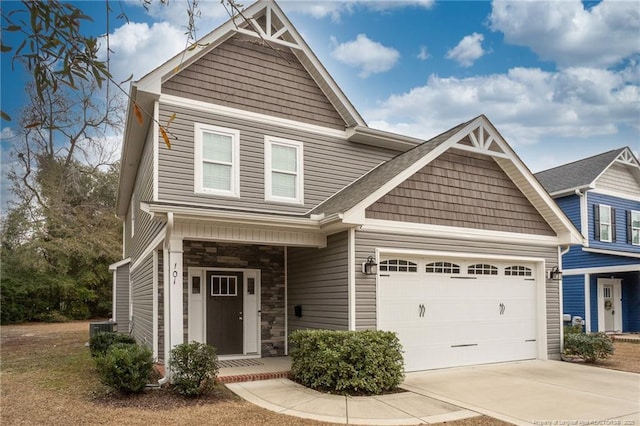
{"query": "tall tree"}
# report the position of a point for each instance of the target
(60, 233)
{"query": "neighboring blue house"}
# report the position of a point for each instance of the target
(601, 281)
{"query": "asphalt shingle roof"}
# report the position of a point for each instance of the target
(353, 194)
(577, 174)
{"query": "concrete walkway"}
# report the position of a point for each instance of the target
(404, 408)
(522, 393)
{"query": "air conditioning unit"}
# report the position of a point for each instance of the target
(102, 327)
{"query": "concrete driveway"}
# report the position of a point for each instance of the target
(536, 392)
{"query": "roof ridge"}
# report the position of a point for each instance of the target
(582, 159)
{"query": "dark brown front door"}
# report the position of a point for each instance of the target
(224, 311)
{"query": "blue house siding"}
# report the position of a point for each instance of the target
(631, 301)
(573, 295)
(621, 206)
(570, 205)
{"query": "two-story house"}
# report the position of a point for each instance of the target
(277, 208)
(601, 280)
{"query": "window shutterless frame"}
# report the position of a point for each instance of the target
(283, 170)
(216, 160)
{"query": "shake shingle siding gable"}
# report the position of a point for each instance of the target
(241, 73)
(464, 190)
(361, 188)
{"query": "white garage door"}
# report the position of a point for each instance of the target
(450, 312)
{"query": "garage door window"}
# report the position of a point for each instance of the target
(442, 268)
(517, 271)
(398, 265)
(482, 269)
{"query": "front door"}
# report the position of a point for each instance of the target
(224, 311)
(609, 305)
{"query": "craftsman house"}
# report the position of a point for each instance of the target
(601, 281)
(276, 208)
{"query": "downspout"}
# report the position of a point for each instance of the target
(165, 299)
(561, 252)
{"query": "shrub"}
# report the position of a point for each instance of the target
(572, 329)
(125, 367)
(100, 343)
(348, 362)
(589, 347)
(193, 367)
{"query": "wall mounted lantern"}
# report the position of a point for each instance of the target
(555, 274)
(370, 267)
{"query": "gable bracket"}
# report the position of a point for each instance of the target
(266, 33)
(626, 158)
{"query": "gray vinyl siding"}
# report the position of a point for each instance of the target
(317, 280)
(121, 310)
(242, 73)
(367, 242)
(142, 301)
(146, 229)
(462, 190)
(617, 178)
(329, 163)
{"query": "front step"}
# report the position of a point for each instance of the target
(253, 377)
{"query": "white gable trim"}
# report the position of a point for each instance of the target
(614, 194)
(116, 265)
(487, 137)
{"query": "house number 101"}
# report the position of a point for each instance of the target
(175, 273)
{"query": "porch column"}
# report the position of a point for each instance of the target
(175, 293)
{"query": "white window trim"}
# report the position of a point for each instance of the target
(234, 191)
(269, 141)
(603, 206)
(633, 228)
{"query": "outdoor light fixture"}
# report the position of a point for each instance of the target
(370, 267)
(555, 274)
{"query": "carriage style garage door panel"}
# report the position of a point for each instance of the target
(454, 312)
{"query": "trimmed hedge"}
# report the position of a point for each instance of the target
(194, 366)
(347, 362)
(589, 347)
(100, 342)
(126, 367)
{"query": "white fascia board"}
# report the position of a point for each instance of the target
(211, 108)
(612, 252)
(451, 232)
(116, 265)
(381, 139)
(615, 194)
(186, 214)
(571, 191)
(601, 270)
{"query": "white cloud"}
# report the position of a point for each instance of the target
(368, 55)
(527, 104)
(335, 9)
(211, 14)
(567, 33)
(424, 53)
(468, 50)
(138, 48)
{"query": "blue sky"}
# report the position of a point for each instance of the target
(560, 80)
